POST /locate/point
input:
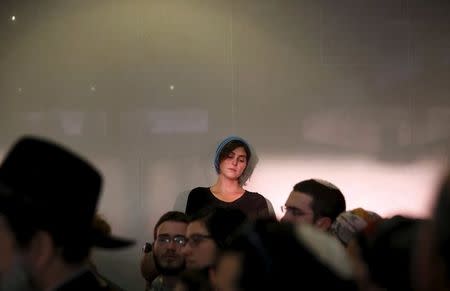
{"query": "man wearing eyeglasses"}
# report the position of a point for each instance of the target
(314, 201)
(169, 239)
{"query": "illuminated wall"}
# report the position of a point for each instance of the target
(355, 92)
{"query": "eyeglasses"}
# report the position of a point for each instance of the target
(293, 211)
(197, 239)
(179, 240)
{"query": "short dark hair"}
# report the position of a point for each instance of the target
(327, 199)
(389, 248)
(263, 247)
(176, 216)
(220, 222)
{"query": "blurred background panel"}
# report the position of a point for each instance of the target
(355, 92)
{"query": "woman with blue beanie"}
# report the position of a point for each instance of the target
(231, 162)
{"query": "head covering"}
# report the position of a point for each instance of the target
(103, 238)
(222, 222)
(58, 189)
(266, 247)
(348, 223)
(326, 249)
(388, 252)
(222, 145)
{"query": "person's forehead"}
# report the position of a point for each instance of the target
(239, 151)
(299, 199)
(172, 228)
(196, 227)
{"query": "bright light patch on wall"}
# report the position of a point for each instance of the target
(178, 121)
(361, 129)
(172, 87)
(387, 189)
(13, 18)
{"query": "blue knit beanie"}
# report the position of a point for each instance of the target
(222, 145)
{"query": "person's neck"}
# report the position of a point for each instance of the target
(227, 189)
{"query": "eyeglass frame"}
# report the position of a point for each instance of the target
(196, 239)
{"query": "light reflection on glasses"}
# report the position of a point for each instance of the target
(179, 240)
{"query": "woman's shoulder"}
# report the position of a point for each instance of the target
(197, 199)
(262, 207)
(254, 195)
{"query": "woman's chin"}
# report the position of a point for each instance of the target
(233, 177)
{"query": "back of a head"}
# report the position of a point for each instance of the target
(328, 200)
(221, 222)
(351, 222)
(277, 256)
(441, 217)
(388, 251)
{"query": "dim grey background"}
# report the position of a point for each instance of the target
(356, 92)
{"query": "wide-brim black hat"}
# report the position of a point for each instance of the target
(57, 188)
(111, 242)
(103, 238)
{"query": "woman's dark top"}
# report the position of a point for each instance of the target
(251, 203)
